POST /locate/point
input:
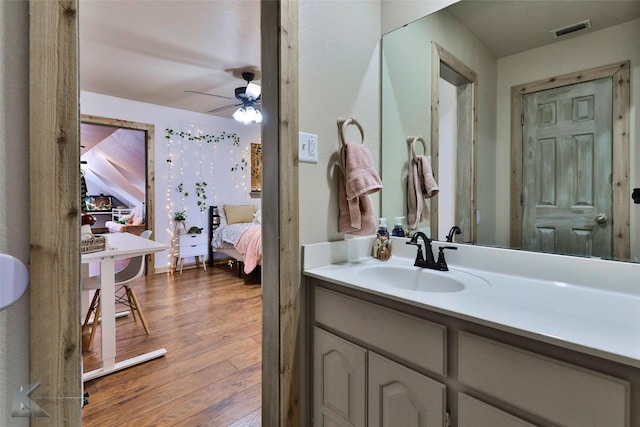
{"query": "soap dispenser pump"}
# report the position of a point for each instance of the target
(382, 244)
(398, 231)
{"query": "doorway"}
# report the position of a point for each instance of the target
(570, 156)
(54, 123)
(117, 172)
(453, 144)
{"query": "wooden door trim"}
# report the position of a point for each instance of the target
(441, 55)
(149, 201)
(282, 343)
(54, 267)
(620, 74)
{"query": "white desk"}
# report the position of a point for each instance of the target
(119, 246)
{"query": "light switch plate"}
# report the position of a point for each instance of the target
(308, 147)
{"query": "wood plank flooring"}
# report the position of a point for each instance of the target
(210, 323)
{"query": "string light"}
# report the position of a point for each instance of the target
(178, 146)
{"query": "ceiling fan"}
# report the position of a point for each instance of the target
(249, 98)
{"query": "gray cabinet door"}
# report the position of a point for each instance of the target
(399, 396)
(339, 381)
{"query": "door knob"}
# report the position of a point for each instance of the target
(601, 218)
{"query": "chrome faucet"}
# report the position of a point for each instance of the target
(429, 261)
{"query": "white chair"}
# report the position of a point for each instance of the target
(123, 278)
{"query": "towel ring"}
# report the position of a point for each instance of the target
(411, 140)
(342, 125)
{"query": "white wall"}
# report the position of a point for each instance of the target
(191, 162)
(339, 69)
(603, 47)
(14, 196)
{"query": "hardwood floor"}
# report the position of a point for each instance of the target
(210, 323)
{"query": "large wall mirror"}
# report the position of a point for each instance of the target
(545, 140)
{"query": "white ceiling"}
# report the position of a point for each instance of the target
(152, 51)
(510, 26)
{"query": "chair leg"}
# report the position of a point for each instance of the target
(92, 307)
(135, 306)
(95, 306)
(96, 319)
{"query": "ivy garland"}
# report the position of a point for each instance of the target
(243, 164)
(204, 138)
(202, 195)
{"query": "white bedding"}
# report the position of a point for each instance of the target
(226, 236)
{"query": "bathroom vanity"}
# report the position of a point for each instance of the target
(507, 350)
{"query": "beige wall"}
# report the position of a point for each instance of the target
(339, 69)
(14, 196)
(603, 47)
(339, 77)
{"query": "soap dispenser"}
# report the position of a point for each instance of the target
(398, 231)
(382, 244)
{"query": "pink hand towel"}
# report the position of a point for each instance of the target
(420, 185)
(361, 176)
(428, 185)
(357, 179)
(355, 215)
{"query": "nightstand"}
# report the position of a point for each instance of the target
(191, 245)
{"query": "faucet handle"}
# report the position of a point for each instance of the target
(442, 263)
(419, 256)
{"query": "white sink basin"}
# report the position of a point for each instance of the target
(417, 279)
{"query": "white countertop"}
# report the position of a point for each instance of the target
(601, 321)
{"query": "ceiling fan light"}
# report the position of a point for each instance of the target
(247, 115)
(251, 114)
(252, 91)
(240, 115)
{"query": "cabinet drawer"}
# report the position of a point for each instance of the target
(194, 250)
(473, 412)
(413, 339)
(562, 393)
(188, 240)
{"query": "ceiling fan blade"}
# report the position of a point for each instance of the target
(252, 91)
(210, 94)
(226, 107)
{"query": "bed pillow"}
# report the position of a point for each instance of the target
(223, 217)
(239, 213)
(257, 217)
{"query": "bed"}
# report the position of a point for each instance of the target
(127, 221)
(238, 235)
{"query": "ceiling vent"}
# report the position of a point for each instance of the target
(569, 29)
